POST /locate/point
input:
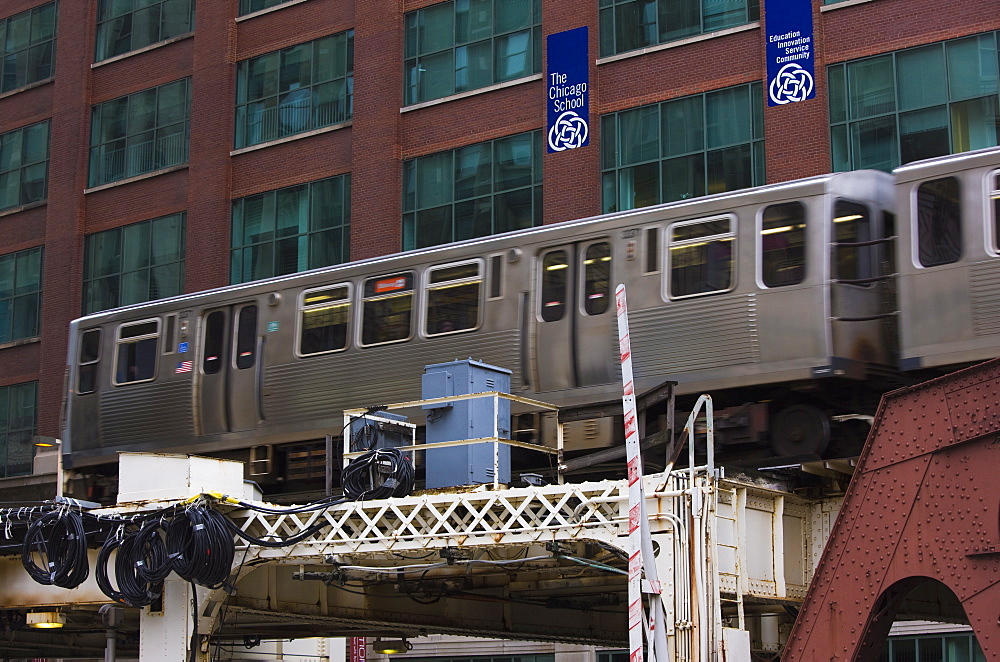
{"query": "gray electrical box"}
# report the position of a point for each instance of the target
(382, 429)
(466, 419)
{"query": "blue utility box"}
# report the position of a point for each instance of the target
(466, 419)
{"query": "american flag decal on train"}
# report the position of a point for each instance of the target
(183, 366)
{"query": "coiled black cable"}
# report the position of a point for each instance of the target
(201, 546)
(378, 474)
(141, 564)
(60, 541)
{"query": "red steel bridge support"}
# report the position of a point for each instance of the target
(919, 533)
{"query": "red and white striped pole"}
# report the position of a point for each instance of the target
(640, 545)
(635, 609)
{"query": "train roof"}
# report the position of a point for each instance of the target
(943, 165)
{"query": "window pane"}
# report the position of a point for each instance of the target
(782, 244)
(975, 124)
(597, 278)
(246, 337)
(871, 87)
(215, 342)
(683, 126)
(453, 305)
(727, 117)
(921, 77)
(701, 258)
(469, 44)
(972, 67)
(555, 272)
(325, 317)
(514, 158)
(387, 317)
(473, 171)
(923, 134)
(939, 222)
(851, 225)
(873, 144)
(679, 19)
(639, 135)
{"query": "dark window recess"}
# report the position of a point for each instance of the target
(215, 342)
(168, 335)
(90, 352)
(939, 222)
(851, 225)
(388, 308)
(496, 276)
(652, 250)
(325, 316)
(246, 337)
(555, 268)
(597, 278)
(136, 361)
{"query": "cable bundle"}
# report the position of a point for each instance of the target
(201, 546)
(378, 474)
(61, 543)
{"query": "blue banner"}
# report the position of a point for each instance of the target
(790, 70)
(567, 90)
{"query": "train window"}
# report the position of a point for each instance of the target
(387, 309)
(597, 278)
(995, 195)
(852, 231)
(88, 364)
(701, 257)
(325, 319)
(215, 342)
(496, 276)
(136, 355)
(939, 222)
(652, 250)
(168, 334)
(453, 294)
(782, 244)
(555, 267)
(246, 337)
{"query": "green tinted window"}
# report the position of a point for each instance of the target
(139, 133)
(913, 104)
(135, 263)
(465, 45)
(18, 416)
(291, 229)
(20, 294)
(24, 165)
(27, 47)
(627, 25)
(683, 148)
(296, 89)
(127, 25)
(473, 191)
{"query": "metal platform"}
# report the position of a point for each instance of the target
(536, 563)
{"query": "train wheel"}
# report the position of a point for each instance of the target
(800, 430)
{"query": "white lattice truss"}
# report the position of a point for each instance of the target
(587, 511)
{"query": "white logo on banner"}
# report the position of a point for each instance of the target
(568, 132)
(793, 83)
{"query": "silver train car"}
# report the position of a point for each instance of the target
(782, 296)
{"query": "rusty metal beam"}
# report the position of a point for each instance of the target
(921, 518)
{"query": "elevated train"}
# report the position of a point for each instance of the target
(806, 299)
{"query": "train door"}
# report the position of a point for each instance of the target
(861, 301)
(574, 335)
(230, 369)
